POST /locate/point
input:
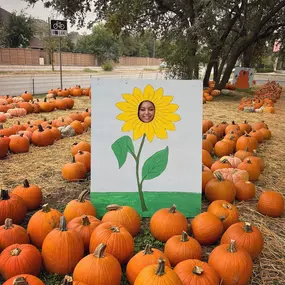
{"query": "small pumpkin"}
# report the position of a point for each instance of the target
(74, 171)
(207, 175)
(167, 222)
(126, 216)
(62, 249)
(31, 194)
(220, 164)
(85, 158)
(243, 154)
(234, 161)
(118, 240)
(42, 137)
(246, 141)
(271, 203)
(232, 263)
(246, 236)
(207, 160)
(96, 267)
(84, 225)
(11, 234)
(245, 190)
(83, 146)
(225, 211)
(13, 260)
(182, 247)
(4, 146)
(11, 206)
(24, 279)
(196, 272)
(253, 168)
(19, 144)
(207, 228)
(157, 275)
(78, 207)
(41, 223)
(146, 257)
(27, 96)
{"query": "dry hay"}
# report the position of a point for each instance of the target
(42, 166)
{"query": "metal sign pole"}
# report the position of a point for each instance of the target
(60, 63)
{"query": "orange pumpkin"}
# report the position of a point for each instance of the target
(118, 240)
(74, 171)
(245, 190)
(166, 223)
(83, 146)
(24, 279)
(225, 211)
(206, 158)
(19, 144)
(207, 175)
(271, 203)
(246, 141)
(85, 158)
(126, 216)
(207, 228)
(233, 174)
(182, 247)
(62, 249)
(246, 236)
(220, 164)
(78, 207)
(253, 168)
(146, 257)
(95, 267)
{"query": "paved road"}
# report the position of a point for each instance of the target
(41, 83)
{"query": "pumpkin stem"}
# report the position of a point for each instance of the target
(224, 160)
(40, 128)
(115, 229)
(173, 209)
(255, 152)
(62, 224)
(4, 195)
(219, 176)
(82, 196)
(67, 280)
(113, 207)
(184, 237)
(198, 270)
(85, 220)
(100, 250)
(227, 206)
(46, 208)
(232, 246)
(20, 281)
(248, 227)
(1, 127)
(73, 160)
(15, 252)
(160, 270)
(147, 250)
(204, 137)
(1, 136)
(8, 224)
(26, 183)
(248, 161)
(80, 152)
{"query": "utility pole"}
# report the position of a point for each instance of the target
(60, 63)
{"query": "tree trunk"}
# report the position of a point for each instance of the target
(227, 73)
(216, 71)
(247, 56)
(52, 64)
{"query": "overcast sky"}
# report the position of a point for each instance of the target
(38, 11)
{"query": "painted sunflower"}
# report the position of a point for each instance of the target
(162, 121)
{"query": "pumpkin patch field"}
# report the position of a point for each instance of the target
(46, 216)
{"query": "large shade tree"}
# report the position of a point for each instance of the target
(227, 28)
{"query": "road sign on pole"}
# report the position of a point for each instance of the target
(58, 28)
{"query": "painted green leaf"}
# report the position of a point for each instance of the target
(121, 147)
(155, 164)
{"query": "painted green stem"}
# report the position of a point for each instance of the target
(143, 205)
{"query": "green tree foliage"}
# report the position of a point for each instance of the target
(19, 31)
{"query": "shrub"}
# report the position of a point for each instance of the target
(107, 66)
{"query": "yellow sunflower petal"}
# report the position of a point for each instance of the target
(126, 116)
(170, 117)
(171, 108)
(126, 107)
(148, 92)
(130, 124)
(164, 101)
(149, 132)
(138, 94)
(166, 124)
(131, 99)
(158, 95)
(160, 132)
(139, 130)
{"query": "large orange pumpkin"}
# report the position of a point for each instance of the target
(167, 222)
(62, 249)
(24, 279)
(126, 216)
(146, 257)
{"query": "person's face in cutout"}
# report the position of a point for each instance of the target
(146, 111)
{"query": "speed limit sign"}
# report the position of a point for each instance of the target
(58, 28)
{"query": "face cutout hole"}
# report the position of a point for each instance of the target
(146, 111)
